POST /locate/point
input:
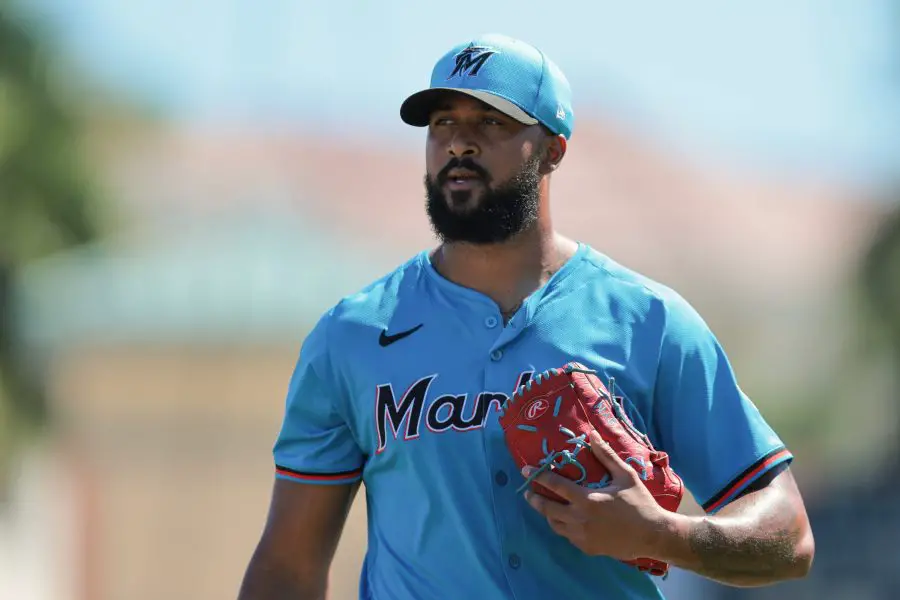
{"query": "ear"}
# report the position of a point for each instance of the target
(554, 151)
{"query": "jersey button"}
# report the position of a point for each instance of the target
(491, 322)
(496, 355)
(514, 561)
(501, 478)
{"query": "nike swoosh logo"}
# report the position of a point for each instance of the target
(386, 340)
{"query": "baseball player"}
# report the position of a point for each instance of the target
(398, 386)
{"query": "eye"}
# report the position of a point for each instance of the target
(492, 121)
(439, 121)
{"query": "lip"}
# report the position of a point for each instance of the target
(461, 184)
(461, 174)
(462, 179)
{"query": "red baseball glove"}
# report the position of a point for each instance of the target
(547, 423)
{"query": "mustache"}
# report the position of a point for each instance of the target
(461, 163)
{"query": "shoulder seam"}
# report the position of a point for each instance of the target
(602, 267)
(399, 271)
(664, 306)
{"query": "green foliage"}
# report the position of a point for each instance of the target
(880, 278)
(45, 200)
(46, 203)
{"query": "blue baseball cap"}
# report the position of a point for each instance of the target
(511, 76)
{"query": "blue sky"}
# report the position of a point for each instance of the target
(804, 83)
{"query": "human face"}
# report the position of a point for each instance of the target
(483, 171)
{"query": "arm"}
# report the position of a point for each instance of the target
(755, 530)
(760, 538)
(294, 554)
(318, 466)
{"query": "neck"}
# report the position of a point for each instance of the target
(510, 271)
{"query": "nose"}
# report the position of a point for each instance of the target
(462, 144)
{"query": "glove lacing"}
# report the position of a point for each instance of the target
(561, 458)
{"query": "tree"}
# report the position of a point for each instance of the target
(46, 204)
(880, 283)
(880, 272)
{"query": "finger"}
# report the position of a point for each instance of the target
(608, 457)
(566, 488)
(560, 527)
(558, 520)
(551, 509)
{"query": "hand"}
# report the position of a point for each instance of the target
(622, 520)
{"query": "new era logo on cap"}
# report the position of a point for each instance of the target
(510, 75)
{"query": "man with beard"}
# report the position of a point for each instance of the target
(398, 386)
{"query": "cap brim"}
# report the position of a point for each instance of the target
(416, 110)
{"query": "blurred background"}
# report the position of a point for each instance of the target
(186, 186)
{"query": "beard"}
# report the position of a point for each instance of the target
(498, 214)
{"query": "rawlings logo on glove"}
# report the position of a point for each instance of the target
(547, 423)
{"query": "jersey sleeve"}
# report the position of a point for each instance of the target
(716, 438)
(315, 443)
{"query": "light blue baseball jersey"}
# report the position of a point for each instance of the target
(400, 385)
